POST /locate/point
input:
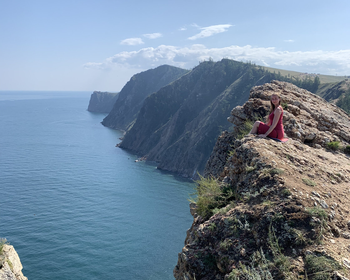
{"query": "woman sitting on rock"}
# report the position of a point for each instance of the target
(274, 127)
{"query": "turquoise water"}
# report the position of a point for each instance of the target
(75, 206)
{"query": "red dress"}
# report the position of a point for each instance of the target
(277, 132)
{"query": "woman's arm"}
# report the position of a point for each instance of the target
(276, 117)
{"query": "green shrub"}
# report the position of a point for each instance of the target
(272, 171)
(320, 268)
(249, 169)
(244, 129)
(335, 145)
(320, 226)
(284, 105)
(258, 270)
(286, 192)
(210, 196)
(309, 182)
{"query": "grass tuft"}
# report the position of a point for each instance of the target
(211, 196)
(244, 129)
(309, 182)
(320, 268)
(335, 145)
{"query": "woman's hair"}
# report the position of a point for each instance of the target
(272, 107)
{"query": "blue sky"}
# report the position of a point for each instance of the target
(99, 45)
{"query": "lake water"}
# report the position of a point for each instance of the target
(75, 206)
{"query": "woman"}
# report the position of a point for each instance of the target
(274, 126)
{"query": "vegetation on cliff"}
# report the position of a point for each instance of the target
(257, 216)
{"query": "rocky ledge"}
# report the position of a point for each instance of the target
(10, 264)
(272, 210)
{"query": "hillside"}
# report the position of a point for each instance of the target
(178, 125)
(131, 97)
(102, 102)
(274, 210)
(336, 93)
(323, 78)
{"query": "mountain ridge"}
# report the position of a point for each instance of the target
(137, 89)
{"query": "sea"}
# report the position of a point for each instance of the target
(74, 205)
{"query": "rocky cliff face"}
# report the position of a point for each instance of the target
(102, 102)
(10, 265)
(275, 210)
(133, 94)
(178, 125)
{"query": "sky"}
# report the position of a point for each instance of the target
(98, 45)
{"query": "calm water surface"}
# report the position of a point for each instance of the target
(75, 206)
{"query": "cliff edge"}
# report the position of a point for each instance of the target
(272, 210)
(102, 102)
(10, 264)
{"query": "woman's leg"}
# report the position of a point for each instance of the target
(255, 128)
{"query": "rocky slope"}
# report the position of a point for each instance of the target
(133, 94)
(178, 125)
(102, 102)
(274, 210)
(10, 264)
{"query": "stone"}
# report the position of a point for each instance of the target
(323, 204)
(14, 273)
(346, 262)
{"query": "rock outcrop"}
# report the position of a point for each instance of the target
(131, 97)
(275, 210)
(102, 102)
(178, 125)
(10, 265)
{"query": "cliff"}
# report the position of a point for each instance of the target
(10, 264)
(133, 94)
(102, 102)
(274, 210)
(178, 125)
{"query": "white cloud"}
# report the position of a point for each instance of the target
(210, 31)
(289, 41)
(132, 41)
(153, 35)
(183, 29)
(325, 62)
